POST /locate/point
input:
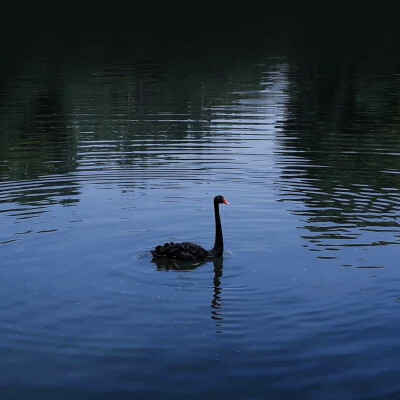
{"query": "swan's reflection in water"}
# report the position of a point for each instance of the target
(216, 301)
(166, 264)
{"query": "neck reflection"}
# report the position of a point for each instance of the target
(217, 302)
(217, 305)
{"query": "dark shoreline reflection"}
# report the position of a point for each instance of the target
(36, 136)
(340, 145)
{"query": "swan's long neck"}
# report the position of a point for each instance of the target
(219, 241)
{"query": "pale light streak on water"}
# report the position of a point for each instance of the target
(304, 302)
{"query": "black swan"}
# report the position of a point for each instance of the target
(191, 251)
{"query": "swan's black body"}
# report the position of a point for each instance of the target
(191, 251)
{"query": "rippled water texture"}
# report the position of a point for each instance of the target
(105, 154)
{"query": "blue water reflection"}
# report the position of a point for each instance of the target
(110, 155)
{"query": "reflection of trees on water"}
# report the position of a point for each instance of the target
(341, 157)
(35, 136)
(136, 111)
(143, 113)
(37, 143)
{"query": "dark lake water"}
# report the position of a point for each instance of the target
(107, 151)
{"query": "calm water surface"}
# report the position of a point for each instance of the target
(105, 154)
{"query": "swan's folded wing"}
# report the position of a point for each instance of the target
(181, 251)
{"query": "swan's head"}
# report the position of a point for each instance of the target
(220, 200)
